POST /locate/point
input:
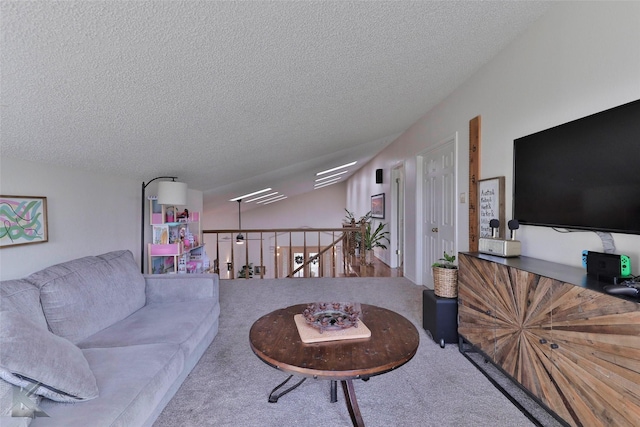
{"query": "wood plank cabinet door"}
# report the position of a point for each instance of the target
(595, 358)
(476, 294)
(523, 328)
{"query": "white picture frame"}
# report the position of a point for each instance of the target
(491, 205)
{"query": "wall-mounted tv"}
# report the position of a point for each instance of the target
(584, 174)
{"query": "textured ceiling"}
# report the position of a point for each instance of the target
(233, 96)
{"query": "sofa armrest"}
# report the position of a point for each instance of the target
(180, 287)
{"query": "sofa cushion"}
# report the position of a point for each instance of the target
(181, 323)
(21, 296)
(30, 354)
(86, 295)
(132, 381)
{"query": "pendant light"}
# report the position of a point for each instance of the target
(239, 237)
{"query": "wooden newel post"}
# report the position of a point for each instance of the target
(363, 250)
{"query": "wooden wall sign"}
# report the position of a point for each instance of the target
(475, 126)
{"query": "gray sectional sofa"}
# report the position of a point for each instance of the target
(95, 343)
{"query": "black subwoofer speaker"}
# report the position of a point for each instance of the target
(440, 317)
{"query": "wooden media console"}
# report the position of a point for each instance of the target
(553, 330)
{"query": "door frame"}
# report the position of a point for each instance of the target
(420, 158)
(398, 216)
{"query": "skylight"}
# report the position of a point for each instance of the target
(336, 168)
(250, 194)
(331, 176)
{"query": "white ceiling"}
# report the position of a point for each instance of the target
(233, 96)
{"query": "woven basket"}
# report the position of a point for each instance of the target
(445, 282)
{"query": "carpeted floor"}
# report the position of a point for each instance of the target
(230, 385)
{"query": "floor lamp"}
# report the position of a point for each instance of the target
(169, 193)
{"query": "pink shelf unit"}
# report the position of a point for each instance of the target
(156, 218)
(167, 250)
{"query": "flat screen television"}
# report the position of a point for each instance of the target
(584, 174)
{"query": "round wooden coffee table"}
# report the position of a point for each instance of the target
(274, 338)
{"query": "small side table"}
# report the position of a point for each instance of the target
(440, 317)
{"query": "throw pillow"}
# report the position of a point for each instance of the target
(31, 354)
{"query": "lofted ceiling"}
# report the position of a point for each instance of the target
(233, 96)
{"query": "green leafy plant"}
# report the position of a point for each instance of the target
(445, 262)
(376, 238)
(246, 269)
(351, 219)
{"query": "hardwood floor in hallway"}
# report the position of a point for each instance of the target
(377, 269)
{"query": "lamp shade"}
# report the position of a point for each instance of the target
(172, 193)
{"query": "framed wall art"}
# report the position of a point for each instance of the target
(23, 220)
(377, 206)
(491, 205)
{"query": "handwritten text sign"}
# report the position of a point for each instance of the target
(491, 204)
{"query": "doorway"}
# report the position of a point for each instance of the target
(439, 188)
(300, 256)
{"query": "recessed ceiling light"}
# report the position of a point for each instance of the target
(261, 197)
(336, 168)
(330, 176)
(250, 194)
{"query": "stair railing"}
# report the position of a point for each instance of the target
(329, 244)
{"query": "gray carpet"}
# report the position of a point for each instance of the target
(230, 385)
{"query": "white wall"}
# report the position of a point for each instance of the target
(317, 209)
(88, 214)
(578, 59)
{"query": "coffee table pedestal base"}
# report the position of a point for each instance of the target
(352, 403)
(274, 396)
(347, 388)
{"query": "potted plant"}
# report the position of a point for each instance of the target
(246, 271)
(374, 239)
(445, 277)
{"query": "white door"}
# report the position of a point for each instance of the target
(439, 208)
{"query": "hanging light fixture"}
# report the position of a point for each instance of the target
(239, 237)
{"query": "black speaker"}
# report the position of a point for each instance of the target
(440, 317)
(378, 176)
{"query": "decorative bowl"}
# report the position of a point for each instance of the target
(332, 316)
